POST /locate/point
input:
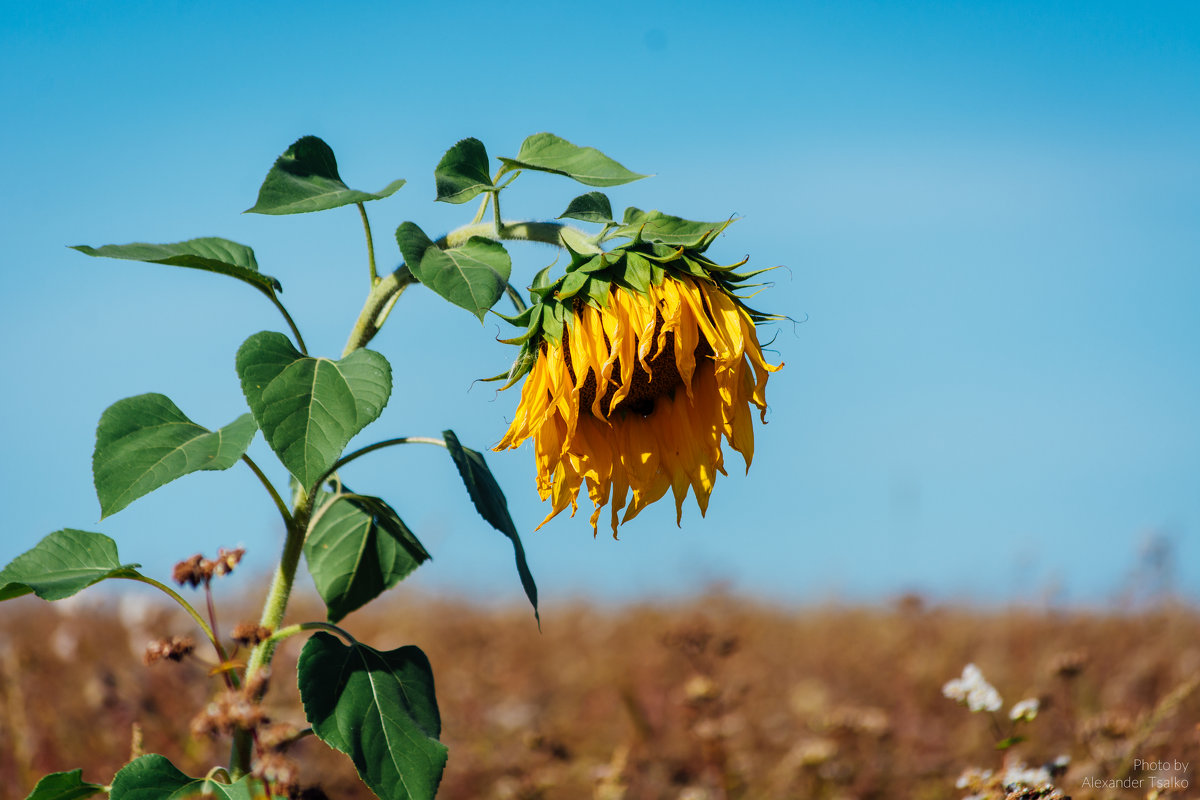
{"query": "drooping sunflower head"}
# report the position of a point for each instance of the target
(638, 361)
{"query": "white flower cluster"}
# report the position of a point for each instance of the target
(1020, 775)
(973, 691)
(1024, 711)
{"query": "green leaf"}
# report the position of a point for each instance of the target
(145, 442)
(463, 172)
(378, 708)
(546, 152)
(310, 408)
(590, 207)
(655, 226)
(209, 254)
(358, 549)
(305, 178)
(637, 272)
(1011, 741)
(64, 786)
(472, 276)
(491, 504)
(154, 777)
(62, 564)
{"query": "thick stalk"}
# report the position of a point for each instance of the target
(272, 616)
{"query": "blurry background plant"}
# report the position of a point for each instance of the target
(713, 697)
(378, 707)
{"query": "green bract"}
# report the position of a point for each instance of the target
(660, 245)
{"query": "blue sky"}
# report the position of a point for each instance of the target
(987, 211)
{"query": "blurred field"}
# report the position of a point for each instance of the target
(717, 698)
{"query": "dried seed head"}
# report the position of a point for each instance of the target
(229, 711)
(227, 559)
(249, 634)
(192, 572)
(1069, 664)
(174, 649)
(280, 772)
(277, 735)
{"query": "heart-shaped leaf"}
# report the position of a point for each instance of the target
(144, 442)
(154, 777)
(209, 254)
(310, 408)
(62, 564)
(305, 178)
(358, 548)
(64, 786)
(491, 504)
(546, 152)
(463, 172)
(378, 708)
(472, 276)
(590, 207)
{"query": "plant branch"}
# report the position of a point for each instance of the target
(515, 296)
(190, 609)
(291, 323)
(279, 504)
(362, 451)
(370, 243)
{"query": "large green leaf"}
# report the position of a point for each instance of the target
(590, 207)
(491, 504)
(378, 708)
(655, 226)
(546, 152)
(463, 172)
(63, 563)
(145, 442)
(310, 408)
(64, 786)
(209, 254)
(305, 178)
(472, 276)
(154, 777)
(358, 549)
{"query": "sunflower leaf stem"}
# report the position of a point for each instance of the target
(386, 292)
(515, 296)
(362, 451)
(370, 243)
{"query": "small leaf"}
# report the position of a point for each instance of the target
(209, 254)
(310, 408)
(378, 708)
(62, 564)
(305, 178)
(154, 777)
(64, 786)
(660, 228)
(571, 285)
(358, 549)
(472, 276)
(1004, 744)
(546, 152)
(491, 504)
(463, 172)
(590, 207)
(145, 442)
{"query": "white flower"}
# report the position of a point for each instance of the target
(1020, 775)
(973, 691)
(1024, 711)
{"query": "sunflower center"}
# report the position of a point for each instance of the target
(645, 387)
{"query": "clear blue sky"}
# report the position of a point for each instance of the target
(989, 214)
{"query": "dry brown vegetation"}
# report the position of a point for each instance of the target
(715, 698)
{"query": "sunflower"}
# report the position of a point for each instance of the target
(639, 361)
